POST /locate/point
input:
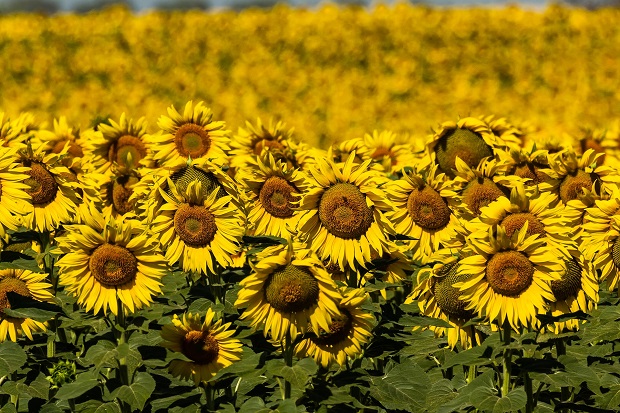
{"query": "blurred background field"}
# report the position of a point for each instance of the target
(332, 72)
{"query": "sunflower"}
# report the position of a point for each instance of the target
(273, 189)
(577, 290)
(15, 133)
(288, 291)
(250, 142)
(192, 135)
(52, 189)
(437, 297)
(116, 189)
(347, 333)
(198, 229)
(525, 164)
(469, 139)
(63, 134)
(14, 200)
(424, 210)
(148, 192)
(510, 277)
(481, 185)
(544, 214)
(107, 260)
(27, 284)
(393, 267)
(208, 346)
(601, 238)
(389, 150)
(505, 131)
(594, 139)
(121, 143)
(569, 175)
(343, 216)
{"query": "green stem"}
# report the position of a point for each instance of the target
(14, 397)
(121, 338)
(71, 405)
(527, 382)
(288, 359)
(565, 392)
(507, 360)
(471, 374)
(210, 396)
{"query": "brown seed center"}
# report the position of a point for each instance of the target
(509, 273)
(615, 252)
(195, 225)
(514, 222)
(43, 186)
(448, 297)
(570, 283)
(75, 150)
(113, 265)
(339, 330)
(200, 346)
(268, 144)
(127, 151)
(276, 197)
(428, 209)
(344, 212)
(530, 171)
(465, 144)
(11, 284)
(291, 289)
(572, 186)
(121, 191)
(480, 193)
(192, 140)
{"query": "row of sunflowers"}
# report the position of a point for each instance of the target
(482, 230)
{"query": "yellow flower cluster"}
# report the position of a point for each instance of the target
(333, 74)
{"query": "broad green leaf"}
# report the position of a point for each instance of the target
(39, 388)
(409, 321)
(12, 357)
(83, 383)
(138, 392)
(286, 406)
(8, 408)
(18, 261)
(110, 407)
(440, 392)
(264, 239)
(405, 387)
(300, 373)
(462, 400)
(102, 354)
(200, 306)
(486, 399)
(477, 355)
(609, 400)
(254, 405)
(133, 358)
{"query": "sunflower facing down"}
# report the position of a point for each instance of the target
(288, 291)
(347, 332)
(192, 135)
(344, 213)
(28, 284)
(199, 229)
(437, 297)
(106, 260)
(389, 150)
(423, 210)
(273, 191)
(14, 200)
(510, 277)
(208, 346)
(250, 142)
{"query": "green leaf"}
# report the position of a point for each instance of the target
(12, 357)
(254, 405)
(486, 399)
(300, 373)
(485, 380)
(110, 407)
(83, 383)
(264, 239)
(200, 306)
(441, 392)
(409, 321)
(609, 400)
(102, 354)
(404, 387)
(18, 261)
(477, 355)
(138, 392)
(40, 387)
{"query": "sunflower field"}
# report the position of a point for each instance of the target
(397, 209)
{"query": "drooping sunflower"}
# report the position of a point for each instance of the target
(505, 131)
(273, 190)
(577, 290)
(389, 150)
(208, 346)
(53, 196)
(121, 143)
(147, 193)
(543, 212)
(14, 200)
(347, 333)
(192, 135)
(251, 141)
(601, 238)
(570, 174)
(424, 205)
(63, 134)
(344, 213)
(288, 291)
(527, 164)
(510, 277)
(437, 297)
(27, 284)
(198, 229)
(106, 260)
(469, 139)
(15, 132)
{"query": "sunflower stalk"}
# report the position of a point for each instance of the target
(507, 359)
(288, 359)
(209, 395)
(527, 382)
(14, 397)
(565, 392)
(121, 338)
